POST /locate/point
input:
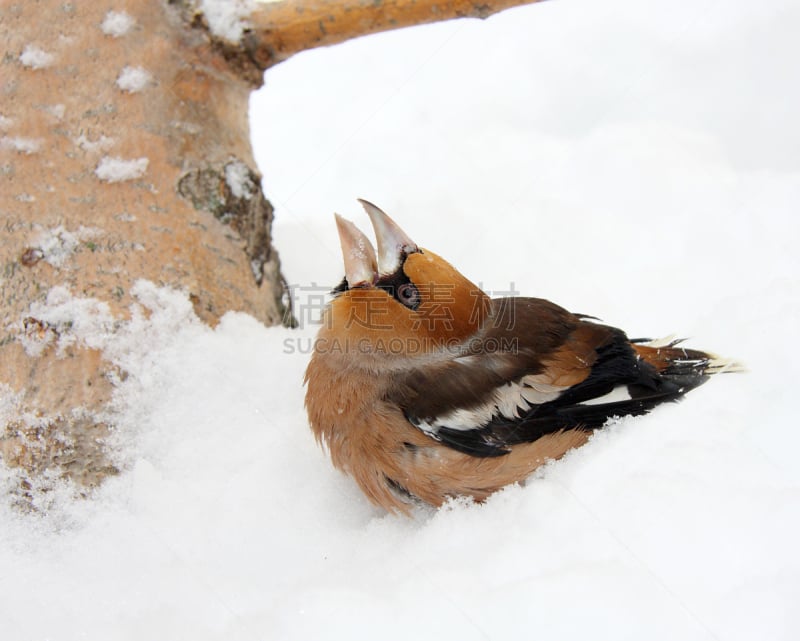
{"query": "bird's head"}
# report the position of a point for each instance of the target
(400, 303)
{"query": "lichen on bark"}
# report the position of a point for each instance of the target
(232, 193)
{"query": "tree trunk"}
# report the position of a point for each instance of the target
(125, 155)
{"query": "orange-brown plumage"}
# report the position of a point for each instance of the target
(374, 443)
(424, 388)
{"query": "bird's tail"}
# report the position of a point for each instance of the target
(681, 365)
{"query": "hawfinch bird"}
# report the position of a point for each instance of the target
(424, 388)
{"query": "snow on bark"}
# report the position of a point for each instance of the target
(114, 170)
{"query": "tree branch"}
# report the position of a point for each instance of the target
(281, 29)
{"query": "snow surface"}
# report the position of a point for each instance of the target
(227, 19)
(117, 23)
(56, 111)
(237, 176)
(103, 143)
(21, 145)
(634, 161)
(114, 170)
(36, 58)
(71, 321)
(59, 244)
(134, 79)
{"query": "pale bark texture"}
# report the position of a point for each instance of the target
(125, 155)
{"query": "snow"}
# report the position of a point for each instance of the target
(113, 169)
(237, 176)
(36, 58)
(634, 161)
(56, 111)
(103, 143)
(69, 321)
(117, 23)
(227, 19)
(58, 244)
(20, 144)
(134, 79)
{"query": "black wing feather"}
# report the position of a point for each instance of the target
(616, 364)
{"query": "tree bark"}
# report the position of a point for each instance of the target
(125, 155)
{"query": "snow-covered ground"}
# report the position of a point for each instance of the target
(638, 161)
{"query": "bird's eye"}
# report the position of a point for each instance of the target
(408, 294)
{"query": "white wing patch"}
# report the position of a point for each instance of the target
(619, 393)
(508, 401)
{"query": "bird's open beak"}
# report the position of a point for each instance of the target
(361, 266)
(393, 243)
